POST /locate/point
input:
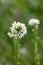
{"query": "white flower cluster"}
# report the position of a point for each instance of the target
(34, 23)
(18, 30)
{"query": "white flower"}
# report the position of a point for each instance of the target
(33, 21)
(17, 30)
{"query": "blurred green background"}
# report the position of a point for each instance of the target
(19, 10)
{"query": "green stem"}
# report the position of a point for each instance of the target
(16, 51)
(35, 41)
(36, 59)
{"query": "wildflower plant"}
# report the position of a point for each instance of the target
(34, 23)
(17, 31)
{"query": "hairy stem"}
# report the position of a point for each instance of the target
(35, 41)
(16, 52)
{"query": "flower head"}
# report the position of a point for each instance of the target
(34, 23)
(17, 30)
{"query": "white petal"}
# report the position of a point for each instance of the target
(33, 21)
